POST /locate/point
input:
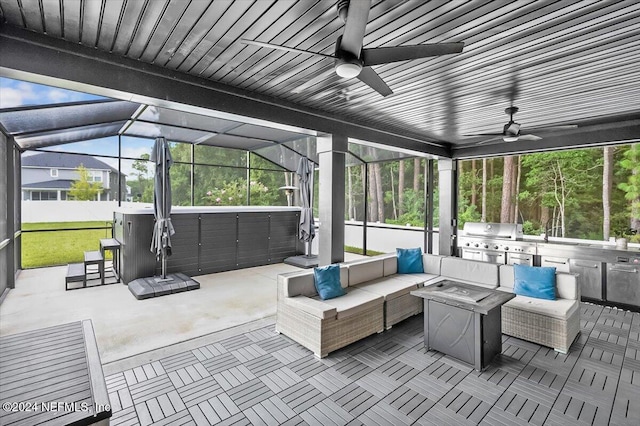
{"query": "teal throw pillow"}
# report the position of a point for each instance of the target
(535, 281)
(327, 281)
(410, 261)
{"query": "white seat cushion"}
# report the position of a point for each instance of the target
(390, 287)
(560, 308)
(354, 302)
(416, 278)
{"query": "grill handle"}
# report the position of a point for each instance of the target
(628, 271)
(587, 265)
(557, 262)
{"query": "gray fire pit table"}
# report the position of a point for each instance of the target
(463, 321)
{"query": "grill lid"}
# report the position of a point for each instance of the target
(504, 231)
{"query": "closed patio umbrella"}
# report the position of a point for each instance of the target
(163, 229)
(305, 175)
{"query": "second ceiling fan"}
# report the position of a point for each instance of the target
(351, 60)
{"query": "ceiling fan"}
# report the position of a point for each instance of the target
(512, 131)
(352, 60)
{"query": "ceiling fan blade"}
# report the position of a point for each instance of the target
(491, 140)
(552, 128)
(483, 134)
(373, 80)
(528, 137)
(357, 18)
(286, 49)
(385, 55)
(315, 80)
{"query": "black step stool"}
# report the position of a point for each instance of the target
(75, 274)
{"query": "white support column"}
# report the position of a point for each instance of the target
(331, 155)
(447, 185)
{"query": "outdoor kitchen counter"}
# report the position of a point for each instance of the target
(208, 239)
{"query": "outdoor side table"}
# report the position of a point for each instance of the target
(53, 376)
(94, 258)
(114, 246)
(463, 321)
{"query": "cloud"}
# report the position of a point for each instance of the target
(15, 93)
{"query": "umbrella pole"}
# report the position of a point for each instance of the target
(164, 210)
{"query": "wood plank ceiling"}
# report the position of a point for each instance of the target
(561, 62)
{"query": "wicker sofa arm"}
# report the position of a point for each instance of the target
(311, 306)
(567, 286)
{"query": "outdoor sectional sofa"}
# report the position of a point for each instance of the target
(377, 297)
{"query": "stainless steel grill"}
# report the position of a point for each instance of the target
(496, 243)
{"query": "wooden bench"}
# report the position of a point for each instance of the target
(57, 368)
(75, 274)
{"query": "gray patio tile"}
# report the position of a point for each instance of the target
(220, 363)
(271, 411)
(352, 369)
(307, 367)
(261, 377)
(280, 379)
(384, 414)
(235, 342)
(249, 393)
(378, 383)
(177, 419)
(301, 396)
(326, 413)
(372, 357)
(274, 343)
(355, 399)
(151, 388)
(290, 354)
(234, 376)
(124, 417)
(409, 402)
(398, 371)
(263, 365)
(481, 388)
(247, 353)
(329, 381)
(178, 361)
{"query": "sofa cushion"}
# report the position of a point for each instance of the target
(301, 283)
(327, 281)
(417, 278)
(317, 308)
(354, 302)
(431, 263)
(560, 308)
(390, 287)
(409, 261)
(535, 281)
(470, 271)
(365, 270)
(390, 264)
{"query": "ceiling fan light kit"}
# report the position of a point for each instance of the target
(348, 69)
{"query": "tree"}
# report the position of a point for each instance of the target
(631, 187)
(83, 189)
(607, 184)
(401, 188)
(483, 217)
(507, 182)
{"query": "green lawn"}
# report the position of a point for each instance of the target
(60, 247)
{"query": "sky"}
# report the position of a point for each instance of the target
(16, 93)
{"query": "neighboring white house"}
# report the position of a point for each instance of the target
(49, 175)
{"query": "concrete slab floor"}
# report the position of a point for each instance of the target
(126, 327)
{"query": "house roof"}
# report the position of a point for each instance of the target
(50, 184)
(64, 160)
